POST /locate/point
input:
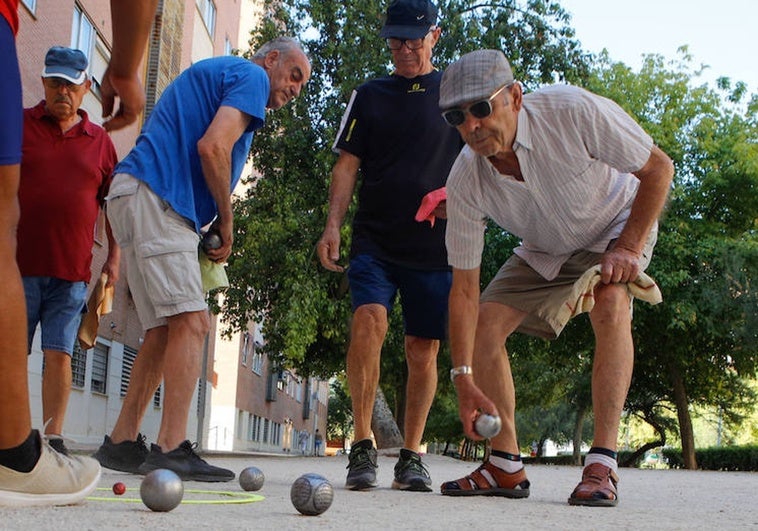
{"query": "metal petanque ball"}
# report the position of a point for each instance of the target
(487, 425)
(161, 490)
(211, 240)
(251, 478)
(311, 494)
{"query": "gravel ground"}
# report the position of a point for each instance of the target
(648, 499)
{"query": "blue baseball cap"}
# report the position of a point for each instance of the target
(409, 19)
(66, 63)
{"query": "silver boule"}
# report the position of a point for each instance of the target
(211, 240)
(487, 425)
(251, 479)
(311, 494)
(161, 490)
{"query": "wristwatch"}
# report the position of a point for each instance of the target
(457, 371)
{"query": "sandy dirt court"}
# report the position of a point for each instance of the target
(648, 499)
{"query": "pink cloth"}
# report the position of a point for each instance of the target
(429, 203)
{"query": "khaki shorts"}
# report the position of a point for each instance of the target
(160, 250)
(519, 286)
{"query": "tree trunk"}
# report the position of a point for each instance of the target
(685, 421)
(383, 424)
(649, 417)
(578, 429)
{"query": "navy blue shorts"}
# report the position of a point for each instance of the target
(11, 105)
(57, 305)
(423, 293)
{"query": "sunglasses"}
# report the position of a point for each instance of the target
(479, 109)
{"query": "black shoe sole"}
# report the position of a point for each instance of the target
(115, 465)
(418, 486)
(145, 469)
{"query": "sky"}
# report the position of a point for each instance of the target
(720, 33)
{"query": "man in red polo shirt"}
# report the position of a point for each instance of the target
(66, 167)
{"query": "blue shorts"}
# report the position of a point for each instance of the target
(57, 305)
(11, 106)
(423, 293)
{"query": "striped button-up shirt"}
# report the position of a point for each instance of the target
(576, 151)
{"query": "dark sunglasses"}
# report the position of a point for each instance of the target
(479, 109)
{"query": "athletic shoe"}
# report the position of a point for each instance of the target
(57, 444)
(185, 462)
(56, 479)
(361, 466)
(125, 456)
(410, 473)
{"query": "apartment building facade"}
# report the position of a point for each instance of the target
(241, 403)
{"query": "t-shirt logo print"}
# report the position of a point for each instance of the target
(416, 87)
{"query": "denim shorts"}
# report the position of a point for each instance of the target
(56, 305)
(423, 293)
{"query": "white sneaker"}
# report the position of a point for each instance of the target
(57, 479)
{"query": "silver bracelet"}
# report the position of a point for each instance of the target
(457, 371)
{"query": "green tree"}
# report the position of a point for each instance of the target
(700, 344)
(275, 276)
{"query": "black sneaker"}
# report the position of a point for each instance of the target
(410, 473)
(186, 463)
(125, 456)
(57, 444)
(361, 466)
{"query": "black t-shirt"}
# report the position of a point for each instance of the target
(393, 124)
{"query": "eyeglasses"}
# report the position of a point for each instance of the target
(479, 109)
(412, 44)
(55, 83)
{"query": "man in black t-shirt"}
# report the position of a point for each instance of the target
(393, 133)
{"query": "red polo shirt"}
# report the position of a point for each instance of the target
(9, 11)
(64, 181)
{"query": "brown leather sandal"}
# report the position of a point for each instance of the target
(598, 487)
(476, 484)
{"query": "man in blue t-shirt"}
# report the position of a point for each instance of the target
(178, 178)
(393, 133)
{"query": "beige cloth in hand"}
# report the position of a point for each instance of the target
(100, 302)
(212, 273)
(582, 298)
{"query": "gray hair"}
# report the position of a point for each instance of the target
(284, 45)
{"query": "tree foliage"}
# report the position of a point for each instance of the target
(704, 334)
(275, 276)
(700, 345)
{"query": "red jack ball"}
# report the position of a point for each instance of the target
(119, 488)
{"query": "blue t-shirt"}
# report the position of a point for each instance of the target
(165, 155)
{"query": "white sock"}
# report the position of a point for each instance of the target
(506, 464)
(603, 460)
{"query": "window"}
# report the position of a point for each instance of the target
(84, 37)
(99, 368)
(247, 347)
(157, 397)
(266, 424)
(208, 11)
(82, 33)
(78, 367)
(255, 434)
(276, 435)
(257, 362)
(240, 423)
(228, 49)
(31, 5)
(126, 369)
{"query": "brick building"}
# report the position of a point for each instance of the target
(241, 403)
